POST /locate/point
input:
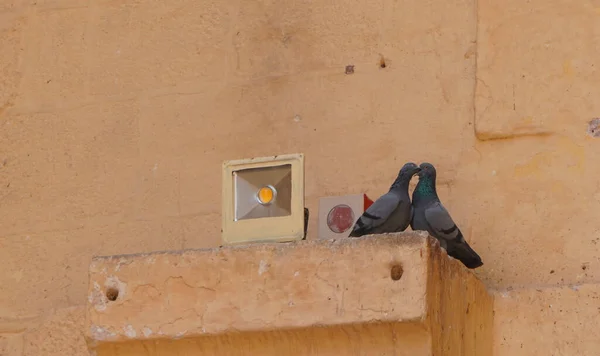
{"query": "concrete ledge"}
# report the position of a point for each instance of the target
(393, 279)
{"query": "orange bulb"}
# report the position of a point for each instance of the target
(265, 195)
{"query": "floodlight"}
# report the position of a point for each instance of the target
(263, 199)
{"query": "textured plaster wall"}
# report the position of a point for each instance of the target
(116, 115)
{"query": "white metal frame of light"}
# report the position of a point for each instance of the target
(279, 215)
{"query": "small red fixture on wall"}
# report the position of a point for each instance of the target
(338, 214)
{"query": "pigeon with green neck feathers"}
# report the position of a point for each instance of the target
(431, 216)
(392, 211)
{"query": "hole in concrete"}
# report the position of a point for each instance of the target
(349, 69)
(593, 128)
(396, 272)
(382, 62)
(112, 294)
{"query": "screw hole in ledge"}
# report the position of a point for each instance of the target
(382, 63)
(112, 294)
(396, 272)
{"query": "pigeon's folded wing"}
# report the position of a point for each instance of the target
(440, 221)
(381, 209)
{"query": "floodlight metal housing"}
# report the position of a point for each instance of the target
(263, 199)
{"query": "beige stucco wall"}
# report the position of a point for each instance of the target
(115, 117)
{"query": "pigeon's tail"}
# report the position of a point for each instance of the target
(359, 228)
(356, 233)
(463, 252)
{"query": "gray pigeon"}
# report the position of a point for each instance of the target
(431, 216)
(392, 211)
